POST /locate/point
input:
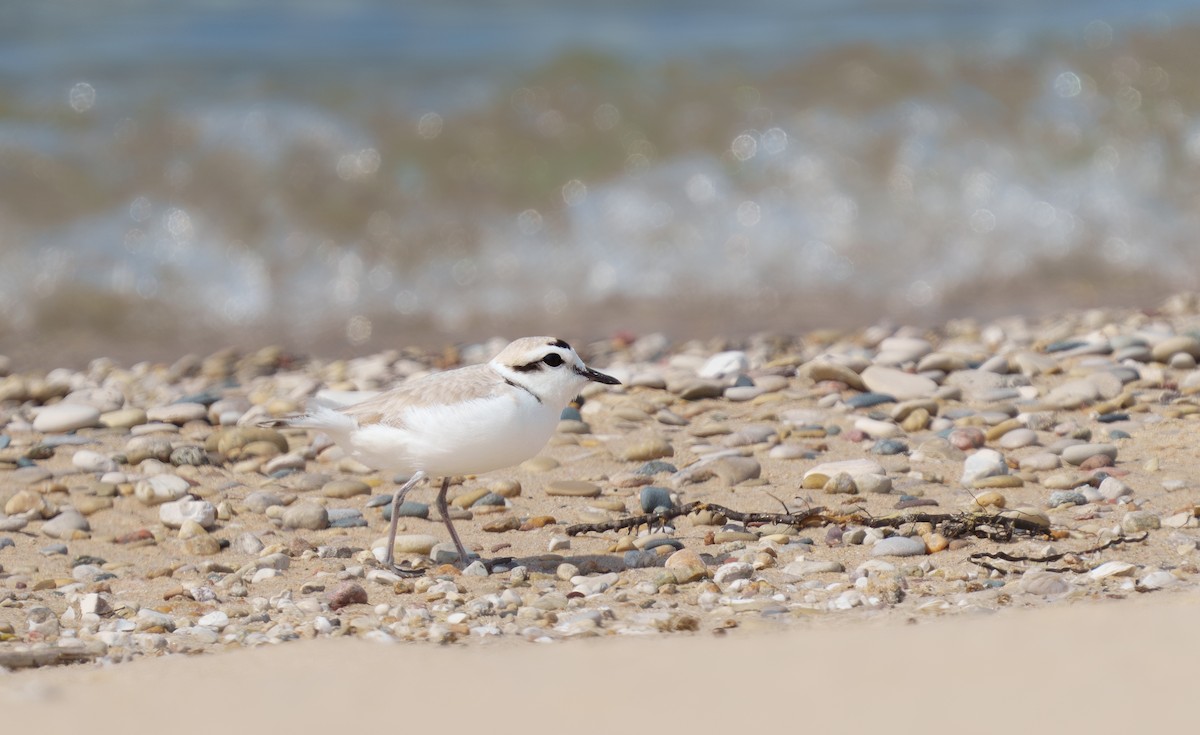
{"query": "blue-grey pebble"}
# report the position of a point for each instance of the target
(743, 381)
(899, 546)
(53, 550)
(638, 559)
(570, 413)
(833, 430)
(656, 467)
(1118, 434)
(889, 447)
(1064, 345)
(346, 518)
(654, 497)
(5, 542)
(5, 440)
(866, 400)
(408, 509)
(1063, 497)
(206, 398)
(674, 543)
(280, 474)
(377, 500)
(491, 499)
(1112, 418)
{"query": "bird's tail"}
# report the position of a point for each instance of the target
(321, 415)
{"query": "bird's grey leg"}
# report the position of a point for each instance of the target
(443, 508)
(397, 499)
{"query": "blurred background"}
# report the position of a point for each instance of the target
(344, 176)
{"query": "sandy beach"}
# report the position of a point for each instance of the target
(1103, 667)
(968, 526)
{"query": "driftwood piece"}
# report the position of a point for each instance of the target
(658, 518)
(981, 558)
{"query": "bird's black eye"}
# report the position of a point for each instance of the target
(553, 359)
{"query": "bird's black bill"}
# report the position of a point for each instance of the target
(597, 376)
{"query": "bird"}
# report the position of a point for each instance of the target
(465, 421)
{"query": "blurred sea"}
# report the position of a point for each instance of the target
(341, 176)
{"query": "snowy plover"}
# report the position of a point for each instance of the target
(470, 420)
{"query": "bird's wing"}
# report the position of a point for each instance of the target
(448, 388)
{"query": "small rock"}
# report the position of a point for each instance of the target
(732, 571)
(647, 449)
(899, 546)
(687, 566)
(347, 593)
(173, 514)
(1041, 582)
(160, 489)
(178, 413)
(983, 463)
(307, 516)
(89, 461)
(903, 386)
(67, 525)
(736, 470)
(1137, 521)
(1078, 453)
(62, 417)
(653, 498)
(573, 488)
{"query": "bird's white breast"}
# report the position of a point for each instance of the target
(468, 437)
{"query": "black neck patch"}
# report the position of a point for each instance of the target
(515, 384)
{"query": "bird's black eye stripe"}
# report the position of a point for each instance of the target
(553, 359)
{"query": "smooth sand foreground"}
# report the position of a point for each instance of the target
(1096, 667)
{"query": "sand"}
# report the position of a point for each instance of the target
(1104, 667)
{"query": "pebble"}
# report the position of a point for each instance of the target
(174, 513)
(307, 516)
(983, 463)
(841, 484)
(1018, 438)
(1137, 521)
(687, 566)
(736, 470)
(1066, 497)
(161, 489)
(1040, 462)
(188, 455)
(1044, 583)
(69, 524)
(1078, 453)
(573, 489)
(816, 477)
(63, 417)
(90, 461)
(899, 546)
(123, 418)
(805, 568)
(724, 365)
(413, 543)
(1111, 489)
(178, 413)
(646, 449)
(344, 489)
(346, 594)
(654, 498)
(733, 571)
(897, 383)
(407, 509)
